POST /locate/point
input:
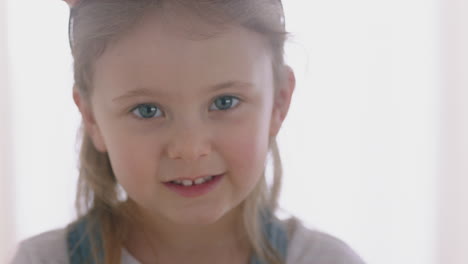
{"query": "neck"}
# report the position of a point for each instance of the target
(226, 237)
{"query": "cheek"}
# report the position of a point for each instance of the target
(246, 148)
(133, 163)
(126, 164)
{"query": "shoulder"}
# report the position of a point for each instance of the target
(48, 247)
(309, 246)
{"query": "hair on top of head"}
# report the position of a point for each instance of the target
(264, 16)
(96, 24)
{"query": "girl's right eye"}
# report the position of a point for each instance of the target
(146, 111)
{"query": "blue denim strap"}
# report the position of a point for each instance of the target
(79, 243)
(276, 234)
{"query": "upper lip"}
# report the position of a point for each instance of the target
(194, 178)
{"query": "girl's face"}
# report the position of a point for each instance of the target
(166, 106)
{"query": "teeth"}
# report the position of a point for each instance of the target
(199, 181)
(187, 182)
(196, 182)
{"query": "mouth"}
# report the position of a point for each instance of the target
(198, 181)
(193, 188)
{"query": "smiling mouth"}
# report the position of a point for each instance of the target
(198, 181)
(189, 188)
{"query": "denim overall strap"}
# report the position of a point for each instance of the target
(276, 234)
(79, 243)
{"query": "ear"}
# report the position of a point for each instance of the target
(71, 3)
(91, 127)
(282, 101)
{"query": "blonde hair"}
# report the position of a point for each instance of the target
(99, 23)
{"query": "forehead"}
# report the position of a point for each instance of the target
(174, 55)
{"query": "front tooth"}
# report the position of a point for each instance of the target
(199, 181)
(187, 182)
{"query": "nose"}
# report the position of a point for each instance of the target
(189, 141)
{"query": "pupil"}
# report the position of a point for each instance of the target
(147, 110)
(224, 102)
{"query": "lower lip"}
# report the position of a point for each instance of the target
(196, 189)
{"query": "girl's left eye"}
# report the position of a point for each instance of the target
(225, 102)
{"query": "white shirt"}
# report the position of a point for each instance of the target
(305, 246)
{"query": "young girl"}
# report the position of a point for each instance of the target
(181, 103)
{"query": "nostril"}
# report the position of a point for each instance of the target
(188, 152)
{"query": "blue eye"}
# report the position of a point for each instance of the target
(225, 102)
(146, 111)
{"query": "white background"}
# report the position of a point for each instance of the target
(373, 147)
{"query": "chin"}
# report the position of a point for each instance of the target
(197, 217)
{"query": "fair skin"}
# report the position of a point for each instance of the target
(187, 134)
(71, 3)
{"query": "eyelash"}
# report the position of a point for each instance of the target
(135, 109)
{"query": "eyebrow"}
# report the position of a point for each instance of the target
(143, 91)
